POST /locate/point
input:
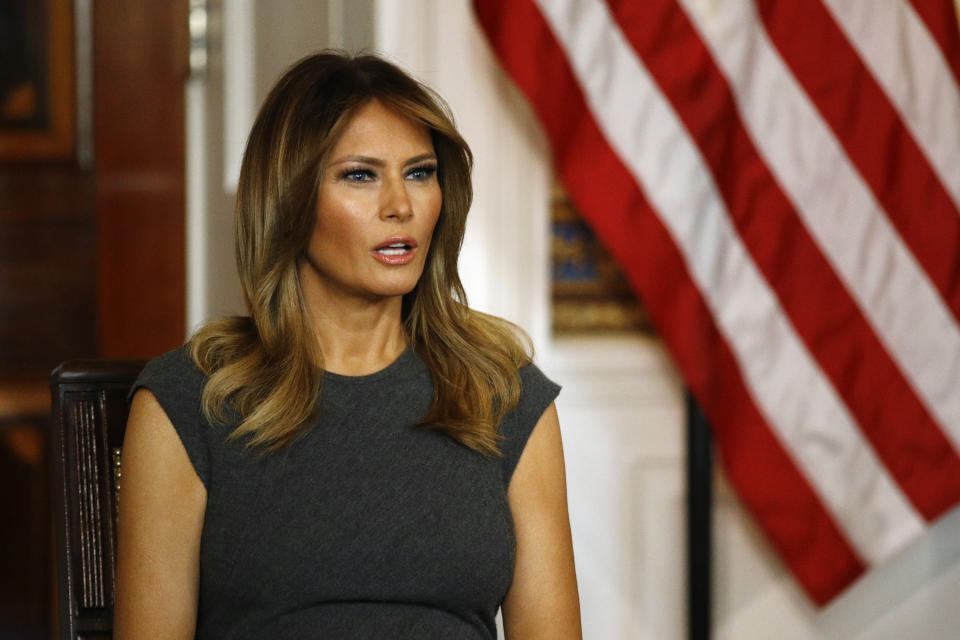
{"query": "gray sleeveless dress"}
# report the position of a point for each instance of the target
(366, 527)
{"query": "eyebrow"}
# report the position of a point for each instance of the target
(377, 162)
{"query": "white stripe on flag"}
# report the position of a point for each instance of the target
(786, 385)
(895, 294)
(901, 54)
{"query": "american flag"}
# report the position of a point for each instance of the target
(780, 181)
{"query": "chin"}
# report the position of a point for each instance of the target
(394, 290)
(399, 286)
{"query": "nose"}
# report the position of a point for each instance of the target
(396, 202)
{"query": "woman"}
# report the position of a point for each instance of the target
(363, 456)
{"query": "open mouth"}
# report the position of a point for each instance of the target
(394, 249)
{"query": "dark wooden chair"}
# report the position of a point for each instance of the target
(89, 417)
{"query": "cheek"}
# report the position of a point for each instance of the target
(432, 205)
(335, 227)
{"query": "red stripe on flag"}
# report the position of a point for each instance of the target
(904, 434)
(759, 468)
(940, 16)
(873, 136)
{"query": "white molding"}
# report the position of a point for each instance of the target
(196, 190)
(239, 85)
(83, 72)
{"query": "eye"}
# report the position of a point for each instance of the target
(423, 172)
(358, 175)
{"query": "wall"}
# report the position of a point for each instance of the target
(47, 221)
(47, 267)
(139, 68)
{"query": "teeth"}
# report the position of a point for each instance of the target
(390, 251)
(398, 244)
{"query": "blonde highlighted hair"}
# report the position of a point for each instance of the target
(266, 368)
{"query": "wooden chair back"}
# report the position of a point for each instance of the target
(89, 417)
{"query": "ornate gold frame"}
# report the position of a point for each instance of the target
(52, 91)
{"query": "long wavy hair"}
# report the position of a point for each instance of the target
(265, 370)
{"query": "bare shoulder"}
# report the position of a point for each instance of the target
(152, 448)
(162, 502)
(148, 423)
(543, 601)
(541, 469)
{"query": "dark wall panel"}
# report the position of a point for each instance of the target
(140, 67)
(47, 268)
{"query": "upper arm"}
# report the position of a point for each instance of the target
(543, 601)
(162, 502)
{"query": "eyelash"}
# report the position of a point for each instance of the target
(428, 170)
(350, 174)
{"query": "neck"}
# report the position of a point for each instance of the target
(356, 335)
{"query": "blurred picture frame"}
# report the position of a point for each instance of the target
(37, 80)
(590, 294)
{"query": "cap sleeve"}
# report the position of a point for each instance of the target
(537, 394)
(177, 384)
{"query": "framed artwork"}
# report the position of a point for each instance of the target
(37, 93)
(590, 294)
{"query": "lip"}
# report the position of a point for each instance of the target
(400, 259)
(410, 242)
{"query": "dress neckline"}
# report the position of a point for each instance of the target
(397, 366)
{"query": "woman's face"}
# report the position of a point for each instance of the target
(378, 202)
